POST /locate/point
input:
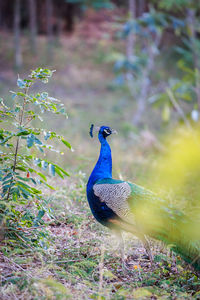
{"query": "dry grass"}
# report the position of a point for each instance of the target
(82, 259)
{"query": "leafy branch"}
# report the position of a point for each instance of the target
(22, 170)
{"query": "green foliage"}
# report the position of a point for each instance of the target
(178, 4)
(185, 89)
(137, 70)
(24, 164)
(146, 29)
(96, 4)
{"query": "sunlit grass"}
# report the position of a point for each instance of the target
(70, 267)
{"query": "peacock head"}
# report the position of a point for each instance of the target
(104, 131)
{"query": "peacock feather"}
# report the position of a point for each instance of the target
(122, 205)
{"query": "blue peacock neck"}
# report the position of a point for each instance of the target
(103, 167)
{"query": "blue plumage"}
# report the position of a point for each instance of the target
(108, 197)
(102, 169)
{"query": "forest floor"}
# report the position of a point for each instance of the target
(80, 259)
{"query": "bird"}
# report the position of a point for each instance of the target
(108, 197)
(125, 206)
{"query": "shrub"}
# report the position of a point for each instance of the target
(23, 161)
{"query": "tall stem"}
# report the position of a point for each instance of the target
(178, 108)
(145, 80)
(130, 44)
(20, 124)
(21, 117)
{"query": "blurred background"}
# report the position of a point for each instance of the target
(133, 65)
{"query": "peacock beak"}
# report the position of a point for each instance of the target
(114, 131)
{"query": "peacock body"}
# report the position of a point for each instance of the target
(122, 205)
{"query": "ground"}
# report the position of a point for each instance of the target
(80, 259)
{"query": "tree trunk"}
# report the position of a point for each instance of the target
(141, 101)
(70, 17)
(141, 7)
(131, 37)
(1, 14)
(145, 81)
(33, 26)
(49, 27)
(17, 34)
(59, 8)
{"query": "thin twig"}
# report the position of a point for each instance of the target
(178, 108)
(19, 237)
(17, 265)
(31, 118)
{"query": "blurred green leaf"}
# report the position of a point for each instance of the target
(21, 83)
(51, 169)
(66, 143)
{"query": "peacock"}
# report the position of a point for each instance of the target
(124, 206)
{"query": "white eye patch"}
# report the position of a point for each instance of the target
(106, 131)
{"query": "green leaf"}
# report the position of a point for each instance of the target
(40, 214)
(23, 132)
(59, 172)
(25, 193)
(39, 148)
(37, 161)
(49, 186)
(51, 170)
(6, 139)
(26, 186)
(37, 141)
(33, 180)
(62, 170)
(47, 135)
(21, 83)
(9, 175)
(30, 140)
(66, 143)
(166, 113)
(44, 96)
(41, 175)
(21, 94)
(44, 164)
(21, 168)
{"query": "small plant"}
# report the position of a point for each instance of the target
(23, 163)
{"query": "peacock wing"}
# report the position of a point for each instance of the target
(115, 193)
(142, 195)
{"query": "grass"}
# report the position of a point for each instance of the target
(82, 260)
